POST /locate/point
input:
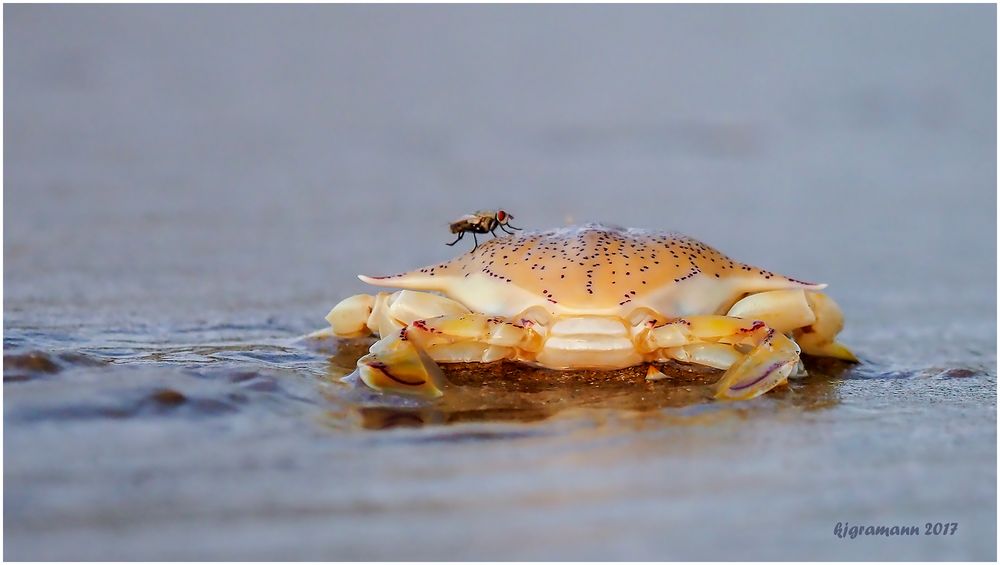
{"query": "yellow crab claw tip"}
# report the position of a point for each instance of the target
(839, 351)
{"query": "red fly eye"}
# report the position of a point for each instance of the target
(501, 216)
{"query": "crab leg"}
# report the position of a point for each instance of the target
(387, 313)
(396, 364)
(419, 328)
(715, 341)
(772, 358)
(393, 363)
(404, 361)
(470, 337)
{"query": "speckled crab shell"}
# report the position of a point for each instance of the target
(593, 270)
(594, 296)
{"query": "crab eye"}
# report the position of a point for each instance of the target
(501, 216)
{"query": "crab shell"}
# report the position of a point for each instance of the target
(593, 270)
(593, 296)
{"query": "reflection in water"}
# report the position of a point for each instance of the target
(511, 392)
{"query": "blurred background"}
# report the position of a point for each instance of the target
(183, 174)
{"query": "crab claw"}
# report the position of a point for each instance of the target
(395, 364)
(349, 317)
(766, 366)
(813, 318)
(783, 310)
(819, 338)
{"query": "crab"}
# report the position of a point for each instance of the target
(591, 297)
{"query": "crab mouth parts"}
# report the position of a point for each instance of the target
(596, 343)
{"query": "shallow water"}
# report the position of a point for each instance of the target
(188, 190)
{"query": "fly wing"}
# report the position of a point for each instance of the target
(463, 224)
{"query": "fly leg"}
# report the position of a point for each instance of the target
(461, 234)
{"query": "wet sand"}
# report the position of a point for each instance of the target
(189, 189)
